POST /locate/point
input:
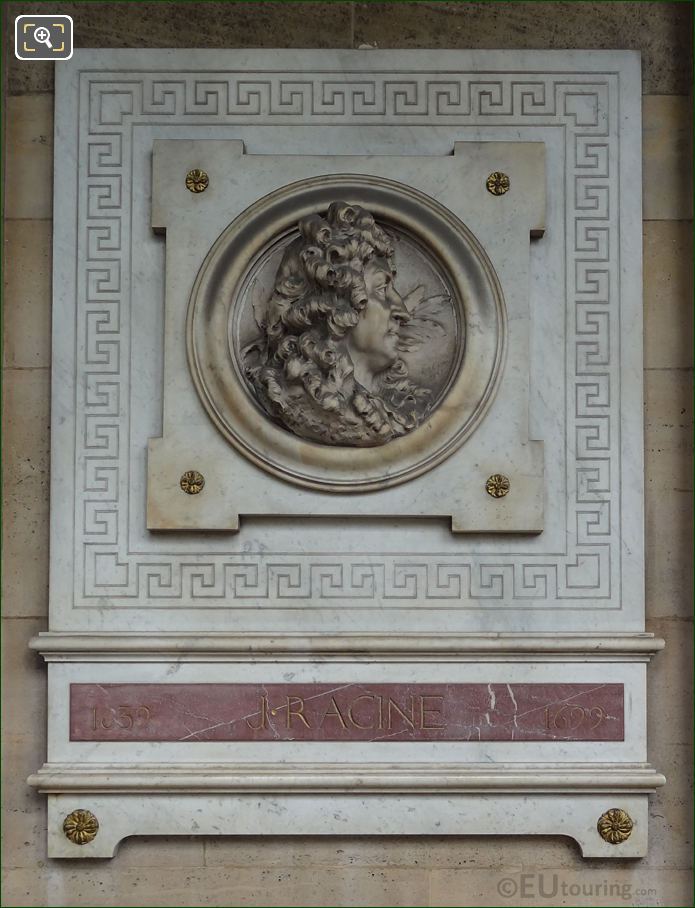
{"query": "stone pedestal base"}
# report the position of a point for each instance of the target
(388, 801)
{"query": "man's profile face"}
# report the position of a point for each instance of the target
(375, 337)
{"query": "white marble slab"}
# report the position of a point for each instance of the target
(499, 435)
(372, 597)
(586, 347)
(325, 814)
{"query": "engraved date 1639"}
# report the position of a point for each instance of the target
(126, 717)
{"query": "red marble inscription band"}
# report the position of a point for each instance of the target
(346, 712)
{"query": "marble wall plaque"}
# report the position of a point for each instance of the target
(389, 568)
(347, 712)
(111, 571)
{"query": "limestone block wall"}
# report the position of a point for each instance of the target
(353, 871)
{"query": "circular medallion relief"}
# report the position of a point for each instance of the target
(346, 333)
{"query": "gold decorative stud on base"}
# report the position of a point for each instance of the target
(497, 485)
(192, 482)
(497, 183)
(197, 180)
(614, 826)
(81, 827)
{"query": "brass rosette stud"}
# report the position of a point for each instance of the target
(197, 180)
(614, 826)
(192, 482)
(498, 183)
(497, 485)
(81, 827)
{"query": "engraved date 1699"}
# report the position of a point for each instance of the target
(569, 717)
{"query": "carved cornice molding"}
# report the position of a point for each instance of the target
(95, 647)
(317, 778)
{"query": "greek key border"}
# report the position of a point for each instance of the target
(585, 104)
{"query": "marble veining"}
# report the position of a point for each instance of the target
(346, 712)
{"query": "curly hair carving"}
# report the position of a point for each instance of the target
(301, 370)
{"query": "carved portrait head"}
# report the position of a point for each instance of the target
(328, 365)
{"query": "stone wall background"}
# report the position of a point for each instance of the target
(353, 871)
